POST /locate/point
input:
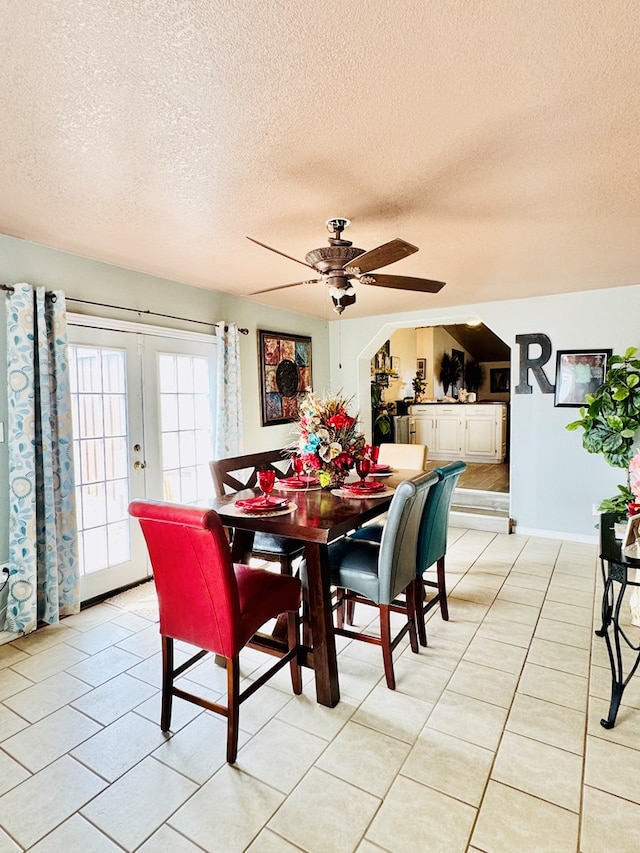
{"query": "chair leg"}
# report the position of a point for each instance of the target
(280, 628)
(233, 707)
(293, 625)
(442, 589)
(410, 595)
(385, 637)
(351, 610)
(167, 682)
(340, 606)
(418, 595)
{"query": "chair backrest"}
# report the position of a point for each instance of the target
(432, 542)
(410, 456)
(241, 472)
(399, 543)
(193, 572)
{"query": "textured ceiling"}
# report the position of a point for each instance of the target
(501, 138)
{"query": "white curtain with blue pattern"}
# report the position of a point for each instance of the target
(228, 441)
(44, 581)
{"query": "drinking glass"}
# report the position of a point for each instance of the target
(374, 450)
(266, 480)
(297, 464)
(363, 466)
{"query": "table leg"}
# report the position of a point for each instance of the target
(607, 602)
(324, 644)
(242, 545)
(611, 616)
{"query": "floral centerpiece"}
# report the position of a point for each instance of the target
(329, 442)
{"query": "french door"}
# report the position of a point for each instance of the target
(143, 427)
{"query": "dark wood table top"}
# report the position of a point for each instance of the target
(320, 515)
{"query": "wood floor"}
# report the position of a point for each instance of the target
(484, 476)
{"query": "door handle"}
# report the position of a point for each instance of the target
(138, 466)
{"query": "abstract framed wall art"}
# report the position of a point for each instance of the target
(285, 375)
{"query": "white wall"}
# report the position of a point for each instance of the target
(90, 280)
(554, 482)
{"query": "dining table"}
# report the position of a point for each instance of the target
(318, 517)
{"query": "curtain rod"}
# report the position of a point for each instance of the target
(9, 288)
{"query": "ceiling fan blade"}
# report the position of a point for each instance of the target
(404, 282)
(284, 286)
(278, 252)
(383, 255)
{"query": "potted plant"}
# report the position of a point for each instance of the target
(473, 375)
(611, 420)
(450, 372)
(381, 418)
(419, 384)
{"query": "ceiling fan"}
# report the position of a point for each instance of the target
(341, 264)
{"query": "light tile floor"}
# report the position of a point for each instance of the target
(491, 741)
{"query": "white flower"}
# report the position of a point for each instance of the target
(328, 452)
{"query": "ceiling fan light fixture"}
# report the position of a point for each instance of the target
(337, 224)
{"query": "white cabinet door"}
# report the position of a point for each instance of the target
(423, 428)
(448, 434)
(480, 435)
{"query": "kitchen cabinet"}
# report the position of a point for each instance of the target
(474, 432)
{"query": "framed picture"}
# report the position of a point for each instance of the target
(499, 379)
(631, 538)
(579, 372)
(421, 366)
(285, 375)
(382, 359)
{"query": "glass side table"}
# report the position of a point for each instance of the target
(617, 566)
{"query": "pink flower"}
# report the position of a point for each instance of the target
(634, 474)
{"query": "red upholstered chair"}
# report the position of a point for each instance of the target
(207, 601)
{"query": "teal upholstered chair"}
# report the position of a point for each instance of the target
(376, 573)
(432, 545)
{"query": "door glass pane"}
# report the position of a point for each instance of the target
(184, 383)
(98, 389)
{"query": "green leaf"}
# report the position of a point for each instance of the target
(630, 352)
(621, 394)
